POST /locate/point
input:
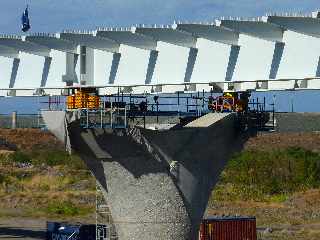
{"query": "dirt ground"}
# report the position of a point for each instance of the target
(268, 141)
(27, 139)
(12, 139)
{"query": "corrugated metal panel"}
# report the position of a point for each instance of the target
(229, 228)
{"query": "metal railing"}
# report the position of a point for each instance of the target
(113, 117)
(21, 120)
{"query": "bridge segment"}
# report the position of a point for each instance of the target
(135, 50)
(262, 48)
(9, 63)
(21, 72)
(97, 57)
(302, 46)
(218, 51)
(177, 54)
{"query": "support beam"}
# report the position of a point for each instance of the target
(233, 58)
(151, 65)
(276, 59)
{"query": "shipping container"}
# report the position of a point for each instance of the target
(228, 228)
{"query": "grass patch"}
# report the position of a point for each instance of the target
(269, 175)
(44, 157)
(65, 208)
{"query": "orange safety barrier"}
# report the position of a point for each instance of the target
(83, 100)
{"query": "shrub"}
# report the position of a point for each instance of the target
(20, 157)
(66, 208)
(273, 172)
(56, 158)
(62, 208)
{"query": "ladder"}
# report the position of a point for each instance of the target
(105, 229)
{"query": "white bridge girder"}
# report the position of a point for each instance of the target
(271, 53)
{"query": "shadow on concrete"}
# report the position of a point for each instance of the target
(98, 145)
(200, 154)
(10, 232)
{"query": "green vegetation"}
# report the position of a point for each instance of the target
(269, 175)
(66, 209)
(46, 183)
(41, 157)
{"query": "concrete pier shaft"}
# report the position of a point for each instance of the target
(157, 183)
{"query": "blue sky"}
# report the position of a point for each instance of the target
(56, 15)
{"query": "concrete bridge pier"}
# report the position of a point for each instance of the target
(157, 183)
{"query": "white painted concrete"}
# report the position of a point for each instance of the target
(133, 66)
(212, 61)
(30, 71)
(6, 65)
(57, 69)
(171, 64)
(254, 60)
(186, 53)
(300, 57)
(102, 67)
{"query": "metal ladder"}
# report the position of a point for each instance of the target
(105, 229)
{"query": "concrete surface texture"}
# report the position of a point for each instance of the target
(297, 122)
(157, 183)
